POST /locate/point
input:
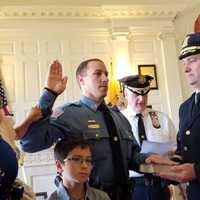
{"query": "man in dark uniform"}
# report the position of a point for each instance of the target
(115, 150)
(189, 126)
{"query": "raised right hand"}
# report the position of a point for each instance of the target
(55, 79)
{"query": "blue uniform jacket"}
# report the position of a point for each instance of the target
(188, 141)
(83, 119)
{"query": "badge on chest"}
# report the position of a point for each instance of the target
(154, 119)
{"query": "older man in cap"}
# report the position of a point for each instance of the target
(188, 137)
(147, 124)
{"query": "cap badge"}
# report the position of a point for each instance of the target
(141, 80)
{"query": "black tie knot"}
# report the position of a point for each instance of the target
(141, 128)
(103, 107)
(139, 115)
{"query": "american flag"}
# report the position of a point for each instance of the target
(3, 100)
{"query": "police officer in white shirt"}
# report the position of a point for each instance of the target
(147, 124)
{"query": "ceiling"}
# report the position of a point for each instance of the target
(96, 2)
(113, 8)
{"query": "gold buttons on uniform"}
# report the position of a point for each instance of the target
(185, 148)
(187, 132)
(115, 138)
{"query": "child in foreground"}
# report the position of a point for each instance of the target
(73, 159)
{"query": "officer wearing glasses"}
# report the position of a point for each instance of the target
(73, 159)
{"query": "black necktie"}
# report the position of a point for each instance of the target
(141, 129)
(119, 169)
(196, 105)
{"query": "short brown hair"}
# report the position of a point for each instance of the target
(81, 69)
(64, 146)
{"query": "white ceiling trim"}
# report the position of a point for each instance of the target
(94, 12)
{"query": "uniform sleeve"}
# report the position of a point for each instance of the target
(137, 158)
(44, 132)
(41, 135)
(197, 171)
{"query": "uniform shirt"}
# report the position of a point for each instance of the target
(84, 119)
(166, 132)
(91, 194)
(188, 143)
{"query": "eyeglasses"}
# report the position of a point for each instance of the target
(80, 160)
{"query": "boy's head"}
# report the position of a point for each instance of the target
(73, 160)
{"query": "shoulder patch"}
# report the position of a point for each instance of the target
(57, 112)
(154, 119)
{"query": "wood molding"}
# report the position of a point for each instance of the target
(93, 12)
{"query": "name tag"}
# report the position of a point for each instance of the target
(93, 126)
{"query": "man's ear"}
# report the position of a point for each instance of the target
(125, 92)
(80, 80)
(59, 166)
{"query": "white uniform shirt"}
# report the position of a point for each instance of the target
(166, 132)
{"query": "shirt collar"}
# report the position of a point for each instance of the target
(132, 113)
(90, 103)
(64, 195)
(197, 91)
(62, 192)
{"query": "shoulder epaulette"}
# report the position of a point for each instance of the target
(76, 103)
(114, 108)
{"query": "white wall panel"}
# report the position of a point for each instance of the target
(39, 183)
(54, 48)
(7, 48)
(29, 48)
(143, 46)
(31, 81)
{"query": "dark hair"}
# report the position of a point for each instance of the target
(64, 146)
(81, 69)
